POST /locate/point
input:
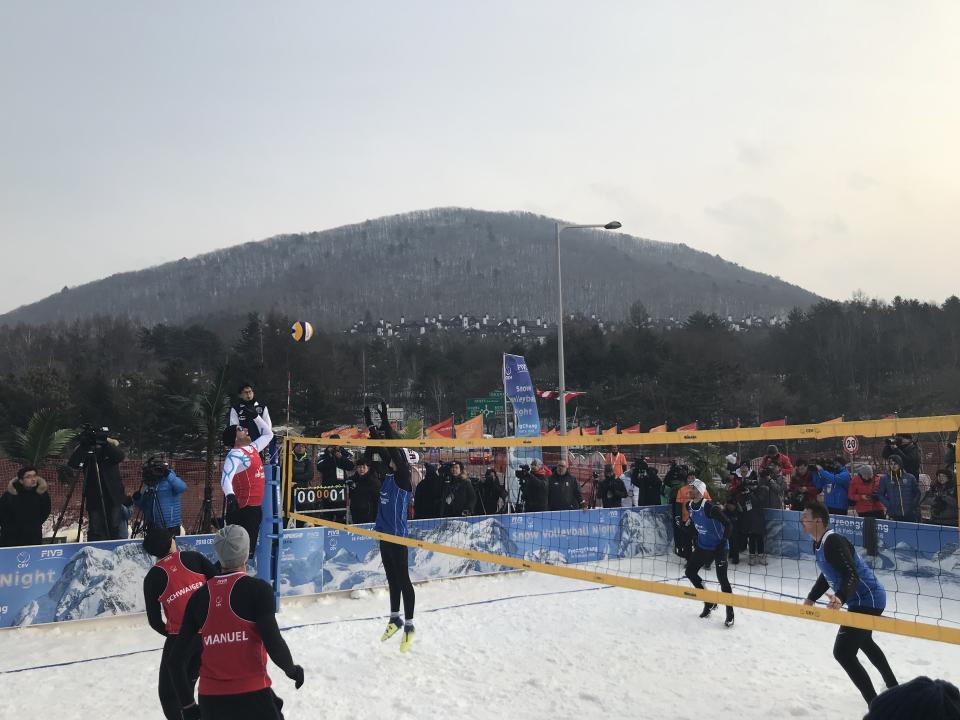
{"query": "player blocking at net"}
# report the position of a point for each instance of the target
(392, 519)
(713, 539)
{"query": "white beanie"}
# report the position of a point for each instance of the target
(701, 486)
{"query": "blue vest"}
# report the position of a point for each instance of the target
(392, 510)
(709, 531)
(869, 592)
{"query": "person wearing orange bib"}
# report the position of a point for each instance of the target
(166, 589)
(235, 619)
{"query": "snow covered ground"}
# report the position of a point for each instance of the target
(518, 645)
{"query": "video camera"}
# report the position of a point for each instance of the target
(828, 464)
(154, 470)
(90, 435)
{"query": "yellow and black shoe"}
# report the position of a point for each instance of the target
(393, 627)
(407, 641)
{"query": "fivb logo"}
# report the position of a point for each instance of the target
(51, 554)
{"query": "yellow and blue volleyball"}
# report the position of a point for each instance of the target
(301, 331)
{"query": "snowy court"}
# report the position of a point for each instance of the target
(519, 645)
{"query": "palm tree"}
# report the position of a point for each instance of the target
(210, 408)
(42, 439)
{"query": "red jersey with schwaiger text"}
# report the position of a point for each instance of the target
(182, 583)
(248, 484)
(234, 660)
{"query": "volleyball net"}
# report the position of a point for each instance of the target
(603, 508)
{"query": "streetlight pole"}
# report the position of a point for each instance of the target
(612, 225)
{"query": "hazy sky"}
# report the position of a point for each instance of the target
(817, 141)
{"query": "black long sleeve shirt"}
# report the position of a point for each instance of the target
(839, 553)
(251, 599)
(155, 584)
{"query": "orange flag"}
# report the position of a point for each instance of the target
(631, 429)
(471, 429)
(444, 428)
(835, 420)
(658, 428)
(691, 426)
(774, 423)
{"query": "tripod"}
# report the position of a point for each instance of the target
(144, 519)
(205, 519)
(92, 453)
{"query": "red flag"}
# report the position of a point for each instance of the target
(658, 428)
(554, 394)
(691, 426)
(589, 430)
(835, 420)
(774, 423)
(631, 429)
(890, 417)
(444, 428)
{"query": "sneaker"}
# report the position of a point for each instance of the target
(762, 559)
(752, 560)
(393, 627)
(407, 640)
(729, 621)
(707, 609)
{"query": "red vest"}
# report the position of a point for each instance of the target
(234, 660)
(248, 484)
(182, 583)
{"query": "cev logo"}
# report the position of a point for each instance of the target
(23, 560)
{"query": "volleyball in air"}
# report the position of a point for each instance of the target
(301, 331)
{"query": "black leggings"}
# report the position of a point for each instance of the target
(249, 518)
(165, 687)
(701, 557)
(396, 566)
(849, 641)
(755, 543)
(259, 705)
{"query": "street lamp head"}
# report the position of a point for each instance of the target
(612, 225)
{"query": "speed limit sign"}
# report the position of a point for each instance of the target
(851, 446)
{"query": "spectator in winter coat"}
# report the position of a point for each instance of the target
(160, 499)
(617, 459)
(755, 497)
(302, 466)
(426, 499)
(863, 493)
(939, 504)
(774, 456)
(801, 491)
(563, 490)
(772, 478)
(649, 485)
(834, 483)
(245, 409)
(492, 495)
(534, 489)
(332, 459)
(23, 509)
(904, 446)
(899, 491)
(610, 490)
(364, 489)
(457, 493)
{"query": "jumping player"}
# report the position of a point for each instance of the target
(855, 586)
(242, 478)
(392, 519)
(713, 536)
(168, 586)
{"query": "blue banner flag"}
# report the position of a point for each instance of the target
(518, 387)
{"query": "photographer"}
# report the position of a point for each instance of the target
(426, 498)
(647, 480)
(247, 408)
(774, 456)
(332, 459)
(832, 479)
(491, 494)
(160, 499)
(939, 504)
(801, 491)
(457, 491)
(533, 485)
(99, 456)
(23, 509)
(610, 490)
(864, 494)
(909, 452)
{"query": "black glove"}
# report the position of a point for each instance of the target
(367, 417)
(296, 674)
(382, 412)
(232, 504)
(191, 713)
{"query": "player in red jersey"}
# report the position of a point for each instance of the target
(242, 478)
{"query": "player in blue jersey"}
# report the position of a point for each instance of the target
(392, 519)
(853, 585)
(713, 539)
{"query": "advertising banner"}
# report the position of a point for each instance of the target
(522, 395)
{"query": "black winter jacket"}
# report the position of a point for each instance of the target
(22, 513)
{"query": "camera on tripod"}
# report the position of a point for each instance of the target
(91, 436)
(154, 470)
